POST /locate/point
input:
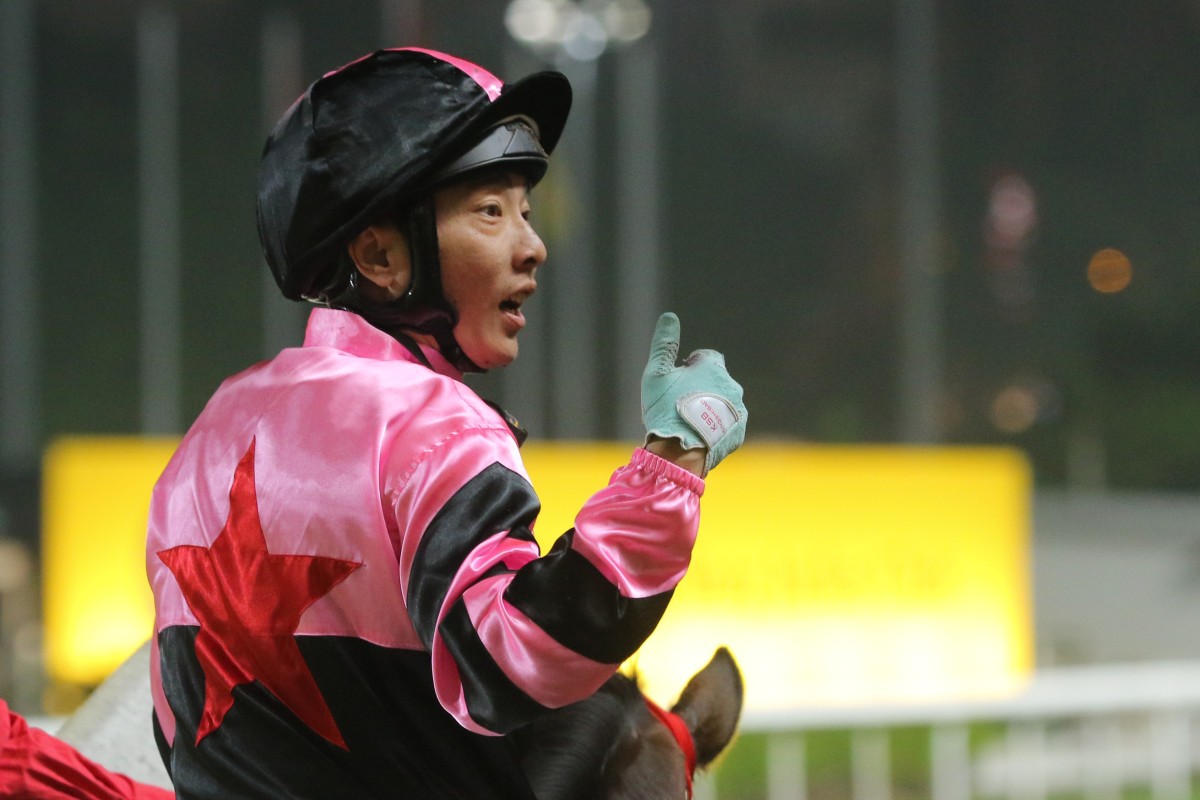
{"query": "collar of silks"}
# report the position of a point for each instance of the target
(683, 738)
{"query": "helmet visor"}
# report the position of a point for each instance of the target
(512, 144)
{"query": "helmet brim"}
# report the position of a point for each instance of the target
(544, 97)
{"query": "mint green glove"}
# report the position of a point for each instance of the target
(697, 403)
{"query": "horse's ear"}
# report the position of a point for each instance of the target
(711, 705)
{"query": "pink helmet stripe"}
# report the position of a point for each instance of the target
(486, 80)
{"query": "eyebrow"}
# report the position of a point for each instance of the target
(506, 178)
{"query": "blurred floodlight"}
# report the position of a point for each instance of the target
(1014, 409)
(1024, 403)
(627, 20)
(1012, 212)
(1109, 271)
(534, 22)
(581, 31)
(585, 37)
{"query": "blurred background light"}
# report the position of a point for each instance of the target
(1012, 212)
(535, 22)
(1009, 226)
(1109, 271)
(1014, 409)
(1024, 403)
(584, 36)
(581, 31)
(626, 20)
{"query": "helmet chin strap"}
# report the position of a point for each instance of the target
(431, 312)
(423, 308)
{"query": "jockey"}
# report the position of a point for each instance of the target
(349, 599)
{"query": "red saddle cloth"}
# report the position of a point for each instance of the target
(36, 766)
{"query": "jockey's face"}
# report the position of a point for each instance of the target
(489, 258)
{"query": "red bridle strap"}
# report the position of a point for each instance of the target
(683, 737)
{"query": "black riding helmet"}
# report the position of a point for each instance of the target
(375, 139)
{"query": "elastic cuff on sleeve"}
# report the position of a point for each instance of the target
(656, 465)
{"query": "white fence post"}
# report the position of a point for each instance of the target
(871, 771)
(1170, 756)
(1026, 746)
(950, 762)
(787, 775)
(1101, 763)
(705, 786)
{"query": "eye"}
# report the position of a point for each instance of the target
(492, 209)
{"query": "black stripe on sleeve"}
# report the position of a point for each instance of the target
(497, 499)
(493, 700)
(568, 598)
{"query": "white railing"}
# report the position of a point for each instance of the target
(1091, 732)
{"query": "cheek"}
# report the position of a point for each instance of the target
(468, 296)
(466, 279)
(457, 281)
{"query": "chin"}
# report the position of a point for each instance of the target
(495, 357)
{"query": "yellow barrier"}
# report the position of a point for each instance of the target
(835, 574)
(96, 601)
(839, 574)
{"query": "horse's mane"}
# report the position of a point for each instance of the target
(564, 754)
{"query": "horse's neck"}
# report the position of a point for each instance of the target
(565, 753)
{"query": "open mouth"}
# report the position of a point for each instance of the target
(513, 303)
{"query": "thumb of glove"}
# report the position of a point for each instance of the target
(664, 347)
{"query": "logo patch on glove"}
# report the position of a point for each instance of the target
(711, 416)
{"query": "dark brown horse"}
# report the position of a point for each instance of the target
(616, 745)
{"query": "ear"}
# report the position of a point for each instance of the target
(711, 705)
(380, 254)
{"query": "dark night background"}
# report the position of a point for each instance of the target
(779, 215)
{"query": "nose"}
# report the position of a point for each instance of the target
(531, 250)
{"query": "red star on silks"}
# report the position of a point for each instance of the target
(249, 602)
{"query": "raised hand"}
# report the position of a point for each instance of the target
(697, 402)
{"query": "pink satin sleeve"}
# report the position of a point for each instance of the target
(499, 549)
(639, 530)
(166, 716)
(545, 670)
